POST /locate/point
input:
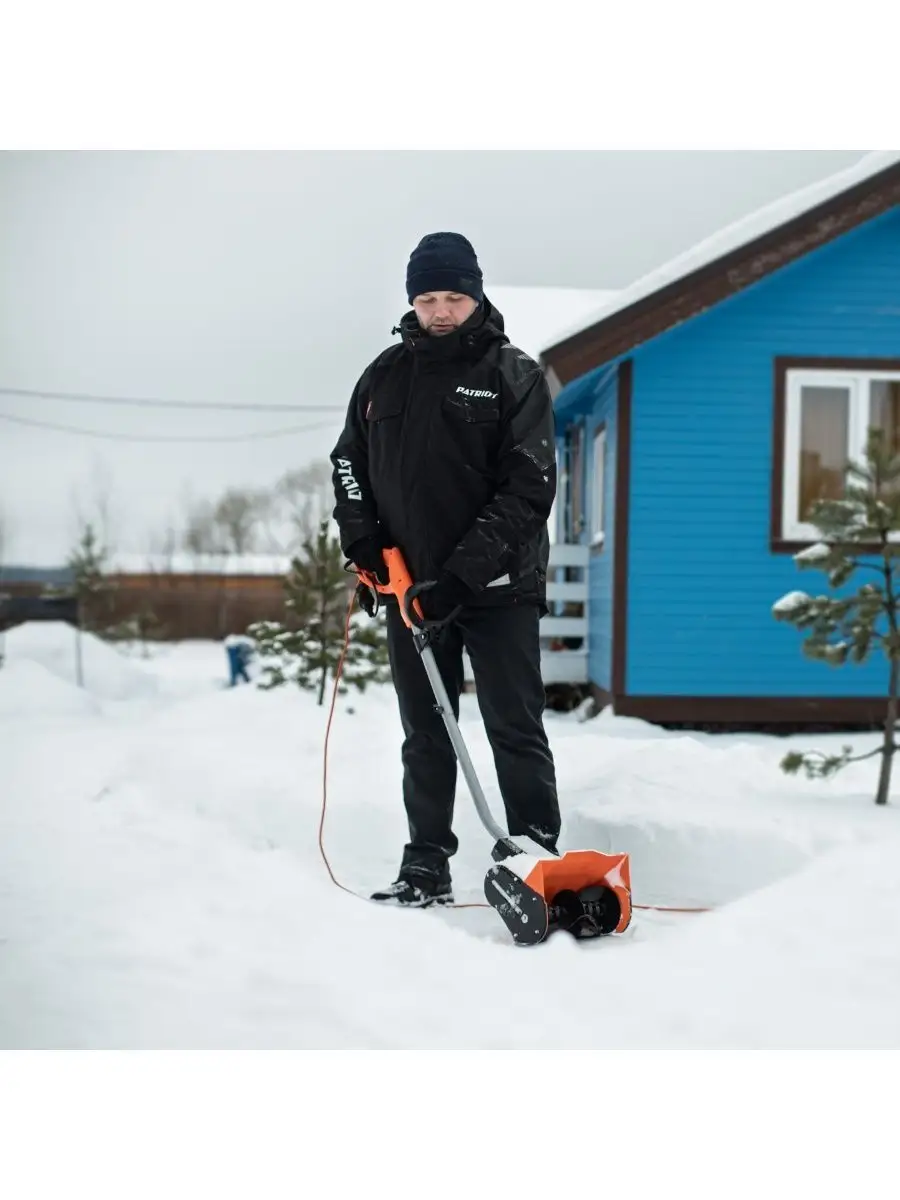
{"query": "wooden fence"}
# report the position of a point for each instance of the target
(212, 605)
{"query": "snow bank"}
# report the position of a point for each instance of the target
(808, 961)
(29, 690)
(54, 645)
(163, 887)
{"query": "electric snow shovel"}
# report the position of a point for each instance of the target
(582, 891)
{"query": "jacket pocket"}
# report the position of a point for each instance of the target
(473, 412)
(385, 404)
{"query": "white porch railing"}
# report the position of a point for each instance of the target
(567, 620)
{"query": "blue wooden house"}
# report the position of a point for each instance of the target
(699, 414)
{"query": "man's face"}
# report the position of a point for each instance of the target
(442, 312)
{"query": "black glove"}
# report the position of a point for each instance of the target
(366, 553)
(448, 593)
(366, 599)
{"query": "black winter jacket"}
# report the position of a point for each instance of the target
(448, 451)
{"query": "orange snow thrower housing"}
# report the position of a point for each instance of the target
(535, 892)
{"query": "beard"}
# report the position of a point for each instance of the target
(439, 328)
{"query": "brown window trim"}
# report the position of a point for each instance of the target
(781, 365)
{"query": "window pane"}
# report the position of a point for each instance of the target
(824, 427)
(577, 481)
(572, 483)
(599, 484)
(885, 410)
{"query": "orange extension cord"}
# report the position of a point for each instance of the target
(334, 879)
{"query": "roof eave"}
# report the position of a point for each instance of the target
(702, 288)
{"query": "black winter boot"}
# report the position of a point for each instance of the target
(417, 894)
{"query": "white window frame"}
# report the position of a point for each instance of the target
(598, 488)
(553, 520)
(858, 386)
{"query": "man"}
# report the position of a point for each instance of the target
(448, 453)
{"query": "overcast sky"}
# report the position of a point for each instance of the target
(274, 278)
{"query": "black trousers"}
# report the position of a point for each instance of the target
(504, 648)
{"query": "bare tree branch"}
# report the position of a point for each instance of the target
(98, 508)
(237, 517)
(201, 535)
(304, 497)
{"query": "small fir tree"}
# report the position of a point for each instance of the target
(306, 650)
(858, 533)
(91, 584)
(143, 627)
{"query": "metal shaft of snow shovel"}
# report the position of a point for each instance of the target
(456, 737)
(400, 584)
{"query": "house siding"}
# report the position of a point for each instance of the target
(702, 578)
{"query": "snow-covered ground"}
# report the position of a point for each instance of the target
(161, 884)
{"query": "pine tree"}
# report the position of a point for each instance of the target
(142, 626)
(91, 585)
(848, 628)
(306, 650)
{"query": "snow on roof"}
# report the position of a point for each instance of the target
(533, 316)
(136, 563)
(732, 237)
(185, 563)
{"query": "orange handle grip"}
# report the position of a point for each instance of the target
(399, 582)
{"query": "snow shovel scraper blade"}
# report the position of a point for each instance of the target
(582, 891)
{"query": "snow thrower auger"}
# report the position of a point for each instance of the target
(535, 892)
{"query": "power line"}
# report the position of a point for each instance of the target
(139, 437)
(149, 402)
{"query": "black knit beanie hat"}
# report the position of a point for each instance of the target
(444, 262)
